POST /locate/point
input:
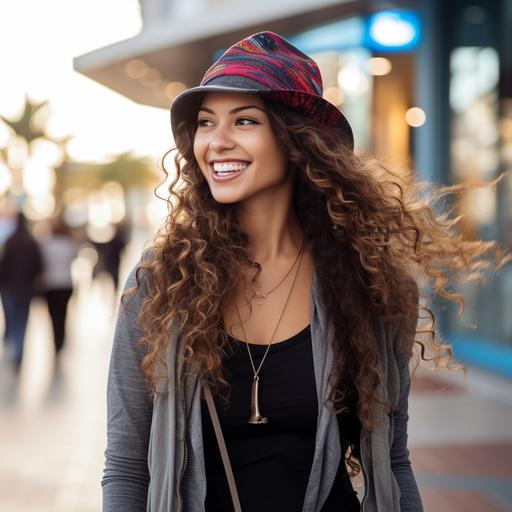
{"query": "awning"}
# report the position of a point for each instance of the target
(152, 67)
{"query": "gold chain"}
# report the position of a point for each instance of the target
(256, 372)
(265, 295)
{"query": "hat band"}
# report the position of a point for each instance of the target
(238, 81)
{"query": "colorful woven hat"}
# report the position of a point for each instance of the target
(267, 65)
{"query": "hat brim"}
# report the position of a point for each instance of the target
(315, 107)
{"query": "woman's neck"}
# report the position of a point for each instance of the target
(274, 231)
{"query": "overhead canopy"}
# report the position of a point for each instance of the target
(169, 55)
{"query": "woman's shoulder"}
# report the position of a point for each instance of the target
(137, 284)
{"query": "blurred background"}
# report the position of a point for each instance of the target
(84, 124)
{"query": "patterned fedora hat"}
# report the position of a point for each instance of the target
(267, 65)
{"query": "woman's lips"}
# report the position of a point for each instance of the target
(221, 177)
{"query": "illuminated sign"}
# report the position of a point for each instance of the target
(393, 31)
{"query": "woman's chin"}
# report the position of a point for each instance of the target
(227, 198)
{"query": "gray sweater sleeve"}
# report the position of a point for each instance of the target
(410, 500)
(129, 410)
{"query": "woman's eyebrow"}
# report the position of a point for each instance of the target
(234, 111)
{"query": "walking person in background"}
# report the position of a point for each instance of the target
(109, 254)
(112, 252)
(273, 318)
(59, 250)
(20, 270)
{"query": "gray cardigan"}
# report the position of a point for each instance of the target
(154, 456)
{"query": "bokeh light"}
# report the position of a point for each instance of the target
(415, 117)
(379, 66)
(352, 81)
(172, 89)
(135, 68)
(5, 178)
(38, 179)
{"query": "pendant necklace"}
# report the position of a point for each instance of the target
(266, 294)
(256, 418)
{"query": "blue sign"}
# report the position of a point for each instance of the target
(393, 31)
(338, 36)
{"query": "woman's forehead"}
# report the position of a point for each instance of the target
(230, 100)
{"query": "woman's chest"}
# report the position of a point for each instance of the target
(278, 316)
(287, 389)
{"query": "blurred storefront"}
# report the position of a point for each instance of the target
(425, 84)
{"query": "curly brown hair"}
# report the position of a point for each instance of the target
(388, 233)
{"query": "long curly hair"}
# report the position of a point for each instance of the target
(373, 233)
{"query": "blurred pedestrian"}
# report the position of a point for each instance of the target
(20, 269)
(113, 252)
(110, 252)
(275, 313)
(7, 226)
(59, 250)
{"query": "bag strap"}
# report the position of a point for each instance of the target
(222, 447)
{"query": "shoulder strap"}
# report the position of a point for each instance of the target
(222, 447)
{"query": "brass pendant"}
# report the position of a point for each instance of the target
(256, 418)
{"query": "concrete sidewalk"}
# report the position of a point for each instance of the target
(52, 424)
(460, 437)
(52, 427)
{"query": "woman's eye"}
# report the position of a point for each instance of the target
(245, 121)
(203, 123)
(242, 121)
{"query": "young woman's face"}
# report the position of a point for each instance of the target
(235, 147)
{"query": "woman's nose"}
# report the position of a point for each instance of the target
(221, 140)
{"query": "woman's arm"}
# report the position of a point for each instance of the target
(410, 500)
(129, 410)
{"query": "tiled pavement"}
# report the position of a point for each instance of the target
(52, 428)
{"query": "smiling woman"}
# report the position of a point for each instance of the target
(236, 149)
(273, 318)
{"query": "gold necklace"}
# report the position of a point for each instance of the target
(256, 418)
(265, 295)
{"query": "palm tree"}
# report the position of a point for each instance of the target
(126, 169)
(129, 171)
(24, 126)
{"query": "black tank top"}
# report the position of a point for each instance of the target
(271, 462)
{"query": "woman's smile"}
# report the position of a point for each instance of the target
(223, 170)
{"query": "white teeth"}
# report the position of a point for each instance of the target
(225, 167)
